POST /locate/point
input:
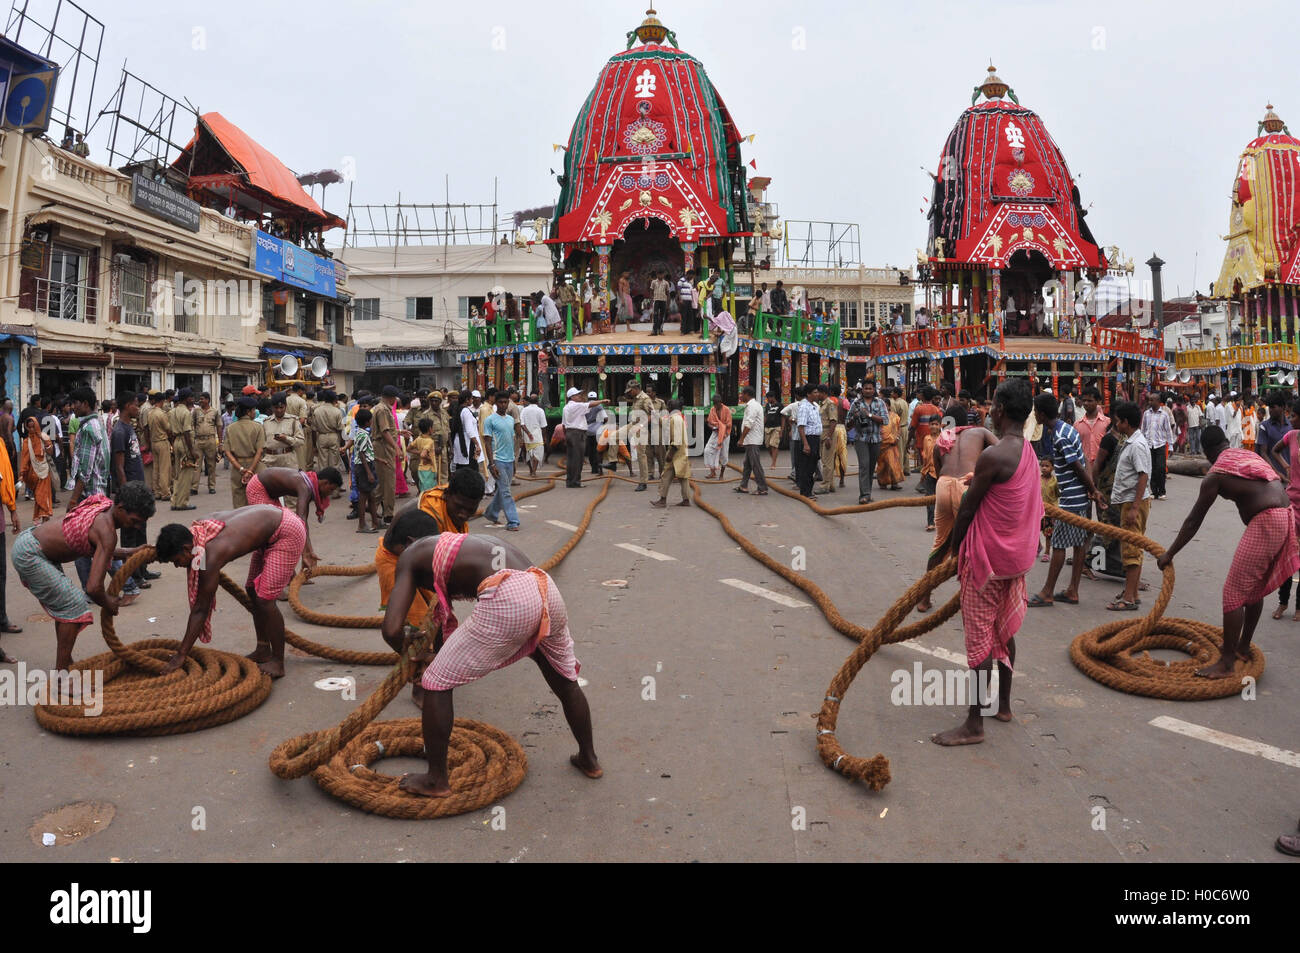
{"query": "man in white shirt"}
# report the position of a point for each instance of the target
(808, 422)
(1194, 426)
(1231, 411)
(574, 419)
(1131, 492)
(533, 419)
(548, 315)
(751, 439)
(465, 449)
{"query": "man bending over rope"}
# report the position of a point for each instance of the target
(955, 454)
(519, 612)
(1267, 552)
(89, 530)
(410, 526)
(274, 535)
(996, 539)
(305, 486)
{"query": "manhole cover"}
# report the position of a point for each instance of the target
(72, 822)
(333, 684)
(615, 583)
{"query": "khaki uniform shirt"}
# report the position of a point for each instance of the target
(660, 409)
(277, 450)
(205, 423)
(383, 423)
(327, 419)
(296, 406)
(244, 438)
(159, 430)
(643, 411)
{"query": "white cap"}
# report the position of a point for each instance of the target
(572, 392)
(591, 395)
(475, 393)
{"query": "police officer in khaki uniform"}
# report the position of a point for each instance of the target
(184, 451)
(643, 410)
(658, 431)
(326, 423)
(244, 444)
(296, 407)
(207, 437)
(283, 435)
(160, 445)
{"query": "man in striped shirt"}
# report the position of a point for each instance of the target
(808, 431)
(1076, 488)
(1160, 435)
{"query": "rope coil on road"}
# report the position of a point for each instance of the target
(484, 763)
(1107, 653)
(212, 687)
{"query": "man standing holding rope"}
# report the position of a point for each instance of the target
(957, 451)
(1266, 554)
(518, 612)
(996, 540)
(275, 537)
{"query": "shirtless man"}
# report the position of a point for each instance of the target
(88, 530)
(955, 457)
(524, 615)
(306, 487)
(995, 536)
(1267, 552)
(274, 535)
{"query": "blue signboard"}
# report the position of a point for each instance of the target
(285, 261)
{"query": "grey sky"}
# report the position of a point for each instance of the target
(1150, 102)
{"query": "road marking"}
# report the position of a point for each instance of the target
(944, 654)
(662, 557)
(765, 593)
(1224, 740)
(569, 526)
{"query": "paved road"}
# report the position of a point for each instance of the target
(720, 763)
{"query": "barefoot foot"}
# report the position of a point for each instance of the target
(1220, 669)
(259, 654)
(1003, 715)
(272, 667)
(963, 734)
(417, 696)
(424, 785)
(587, 766)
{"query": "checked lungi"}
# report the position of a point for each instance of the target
(991, 617)
(517, 612)
(61, 600)
(1265, 557)
(272, 566)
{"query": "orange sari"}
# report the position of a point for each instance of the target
(889, 468)
(37, 473)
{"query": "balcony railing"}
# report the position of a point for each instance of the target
(1215, 357)
(502, 331)
(1129, 342)
(70, 301)
(143, 319)
(797, 329)
(887, 343)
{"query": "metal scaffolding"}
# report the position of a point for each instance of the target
(819, 245)
(61, 31)
(429, 223)
(143, 126)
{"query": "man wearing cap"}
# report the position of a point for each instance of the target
(160, 444)
(383, 433)
(326, 423)
(574, 419)
(207, 436)
(596, 418)
(244, 446)
(431, 410)
(658, 431)
(184, 458)
(283, 435)
(296, 407)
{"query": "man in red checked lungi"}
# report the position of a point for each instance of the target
(518, 612)
(1267, 552)
(305, 487)
(996, 539)
(274, 535)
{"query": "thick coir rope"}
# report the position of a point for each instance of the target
(1105, 653)
(484, 763)
(211, 688)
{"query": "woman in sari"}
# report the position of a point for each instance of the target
(889, 469)
(35, 469)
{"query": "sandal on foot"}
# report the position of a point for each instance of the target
(1063, 596)
(1279, 612)
(1037, 602)
(1119, 605)
(10, 628)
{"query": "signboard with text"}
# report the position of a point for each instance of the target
(285, 261)
(159, 199)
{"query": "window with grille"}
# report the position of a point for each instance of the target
(419, 309)
(135, 294)
(187, 303)
(365, 309)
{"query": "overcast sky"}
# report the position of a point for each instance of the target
(1151, 102)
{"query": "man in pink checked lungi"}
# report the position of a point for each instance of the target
(996, 540)
(517, 612)
(274, 535)
(1266, 555)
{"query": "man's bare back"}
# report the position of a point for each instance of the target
(479, 558)
(247, 528)
(1251, 496)
(961, 459)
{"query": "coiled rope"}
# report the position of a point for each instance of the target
(484, 763)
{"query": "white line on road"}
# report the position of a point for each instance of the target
(569, 526)
(1224, 740)
(954, 657)
(765, 593)
(662, 557)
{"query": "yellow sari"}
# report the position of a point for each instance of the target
(889, 468)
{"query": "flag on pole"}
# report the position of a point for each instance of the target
(753, 163)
